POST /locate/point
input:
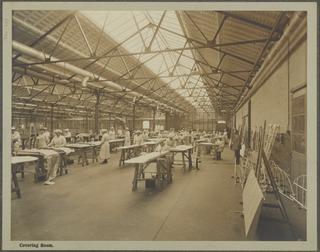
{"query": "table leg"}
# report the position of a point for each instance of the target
(86, 158)
(190, 159)
(93, 154)
(135, 178)
(122, 158)
(183, 162)
(60, 165)
(82, 157)
(65, 164)
(15, 181)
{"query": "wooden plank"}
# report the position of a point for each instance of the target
(22, 159)
(78, 146)
(181, 148)
(146, 158)
(252, 197)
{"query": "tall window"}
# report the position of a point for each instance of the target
(299, 124)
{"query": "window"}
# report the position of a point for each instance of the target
(299, 123)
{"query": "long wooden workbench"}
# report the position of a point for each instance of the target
(141, 163)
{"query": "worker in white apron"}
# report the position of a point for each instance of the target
(105, 147)
(127, 139)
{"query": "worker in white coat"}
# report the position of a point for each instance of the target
(127, 140)
(138, 140)
(47, 135)
(58, 140)
(15, 139)
(41, 141)
(105, 147)
(112, 134)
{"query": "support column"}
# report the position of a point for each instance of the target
(166, 123)
(134, 115)
(51, 119)
(249, 123)
(87, 121)
(96, 114)
(154, 120)
(192, 120)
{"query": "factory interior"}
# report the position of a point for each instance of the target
(159, 125)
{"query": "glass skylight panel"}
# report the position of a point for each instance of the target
(169, 36)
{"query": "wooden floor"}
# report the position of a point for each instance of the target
(96, 203)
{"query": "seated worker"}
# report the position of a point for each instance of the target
(47, 135)
(58, 140)
(53, 161)
(41, 140)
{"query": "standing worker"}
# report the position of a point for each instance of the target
(105, 147)
(15, 139)
(127, 139)
(112, 134)
(235, 145)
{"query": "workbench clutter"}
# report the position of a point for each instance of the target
(257, 167)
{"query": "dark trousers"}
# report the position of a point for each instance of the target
(218, 155)
(237, 155)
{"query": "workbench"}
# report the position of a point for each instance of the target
(15, 162)
(186, 151)
(203, 144)
(63, 153)
(114, 143)
(95, 146)
(81, 149)
(51, 156)
(141, 163)
(128, 152)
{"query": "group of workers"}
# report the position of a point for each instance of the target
(60, 138)
(42, 140)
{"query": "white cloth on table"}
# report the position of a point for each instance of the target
(105, 147)
(53, 159)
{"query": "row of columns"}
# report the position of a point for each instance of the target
(171, 121)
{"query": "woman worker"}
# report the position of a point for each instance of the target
(105, 147)
(127, 139)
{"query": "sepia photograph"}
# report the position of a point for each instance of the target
(159, 125)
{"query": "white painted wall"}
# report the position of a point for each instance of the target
(270, 102)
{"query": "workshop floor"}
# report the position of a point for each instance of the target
(96, 203)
